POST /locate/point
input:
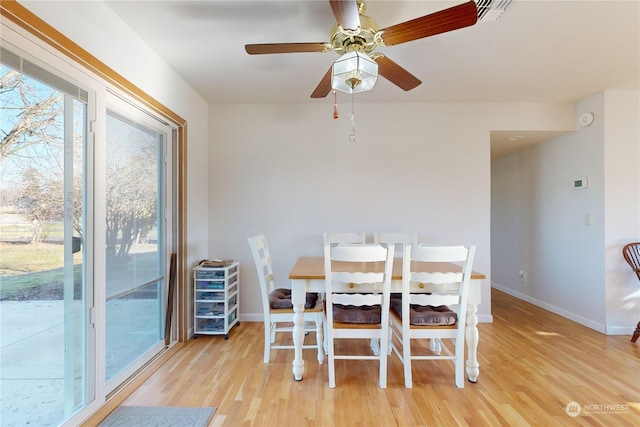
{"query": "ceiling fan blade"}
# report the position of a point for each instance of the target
(258, 49)
(395, 73)
(453, 18)
(324, 87)
(346, 13)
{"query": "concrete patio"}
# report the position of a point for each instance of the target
(32, 366)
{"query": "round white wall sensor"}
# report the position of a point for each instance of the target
(586, 119)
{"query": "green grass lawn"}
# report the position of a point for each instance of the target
(20, 258)
(27, 268)
(36, 271)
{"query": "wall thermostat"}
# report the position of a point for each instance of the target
(580, 183)
(586, 119)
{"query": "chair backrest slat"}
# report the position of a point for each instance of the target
(436, 277)
(361, 299)
(262, 259)
(357, 277)
(397, 238)
(365, 253)
(337, 238)
(435, 300)
(631, 253)
(439, 253)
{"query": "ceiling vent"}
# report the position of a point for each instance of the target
(491, 10)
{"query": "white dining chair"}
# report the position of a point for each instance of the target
(357, 301)
(277, 306)
(428, 315)
(337, 238)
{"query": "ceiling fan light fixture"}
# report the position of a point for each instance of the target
(354, 72)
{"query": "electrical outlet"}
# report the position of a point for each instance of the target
(523, 276)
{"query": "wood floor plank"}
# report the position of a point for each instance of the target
(532, 364)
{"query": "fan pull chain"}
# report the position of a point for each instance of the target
(352, 136)
(335, 105)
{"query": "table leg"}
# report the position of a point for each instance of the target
(298, 300)
(472, 337)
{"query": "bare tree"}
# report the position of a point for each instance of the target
(33, 140)
(131, 188)
(32, 143)
(36, 118)
(41, 198)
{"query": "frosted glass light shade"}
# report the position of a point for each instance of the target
(354, 72)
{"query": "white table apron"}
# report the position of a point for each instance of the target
(299, 287)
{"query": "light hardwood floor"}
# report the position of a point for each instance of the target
(532, 365)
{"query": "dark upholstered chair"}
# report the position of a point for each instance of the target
(631, 253)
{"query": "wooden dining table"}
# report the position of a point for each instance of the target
(307, 275)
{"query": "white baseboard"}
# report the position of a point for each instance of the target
(620, 330)
(556, 310)
(251, 317)
(485, 318)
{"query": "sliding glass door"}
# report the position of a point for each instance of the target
(136, 242)
(86, 235)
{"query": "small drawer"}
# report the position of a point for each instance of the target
(210, 325)
(209, 284)
(233, 300)
(209, 296)
(205, 273)
(210, 309)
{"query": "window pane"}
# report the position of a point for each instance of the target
(133, 243)
(43, 303)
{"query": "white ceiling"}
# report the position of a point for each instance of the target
(538, 51)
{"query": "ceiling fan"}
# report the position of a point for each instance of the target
(356, 32)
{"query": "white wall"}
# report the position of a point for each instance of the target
(290, 172)
(622, 207)
(94, 27)
(539, 221)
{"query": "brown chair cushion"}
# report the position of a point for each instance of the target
(356, 314)
(426, 315)
(281, 298)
